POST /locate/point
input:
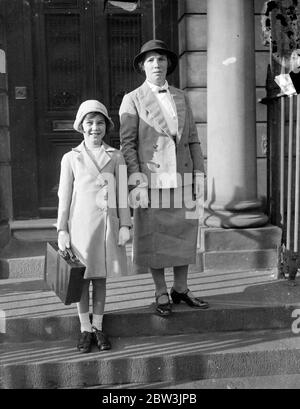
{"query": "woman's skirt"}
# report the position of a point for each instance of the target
(165, 234)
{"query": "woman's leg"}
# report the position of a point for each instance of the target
(180, 278)
(163, 305)
(158, 275)
(83, 308)
(180, 291)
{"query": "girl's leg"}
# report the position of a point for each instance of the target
(83, 308)
(99, 296)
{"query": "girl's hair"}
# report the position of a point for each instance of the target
(93, 114)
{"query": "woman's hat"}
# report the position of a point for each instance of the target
(159, 46)
(91, 105)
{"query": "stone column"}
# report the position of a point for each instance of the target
(231, 134)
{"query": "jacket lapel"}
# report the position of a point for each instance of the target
(180, 107)
(151, 105)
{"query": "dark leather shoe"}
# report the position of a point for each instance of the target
(85, 342)
(163, 309)
(101, 340)
(191, 301)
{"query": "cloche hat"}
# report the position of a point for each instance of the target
(91, 105)
(159, 46)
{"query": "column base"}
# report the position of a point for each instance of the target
(231, 219)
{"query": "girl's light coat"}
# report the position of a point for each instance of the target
(92, 206)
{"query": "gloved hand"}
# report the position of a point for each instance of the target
(124, 235)
(139, 197)
(63, 240)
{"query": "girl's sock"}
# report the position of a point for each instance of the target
(97, 321)
(85, 323)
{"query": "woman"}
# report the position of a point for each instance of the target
(160, 145)
(93, 218)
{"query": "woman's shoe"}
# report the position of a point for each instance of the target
(85, 342)
(101, 340)
(190, 300)
(163, 309)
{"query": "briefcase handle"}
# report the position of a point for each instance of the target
(68, 254)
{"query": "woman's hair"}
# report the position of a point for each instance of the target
(141, 63)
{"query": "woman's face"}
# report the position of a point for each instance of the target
(156, 66)
(94, 129)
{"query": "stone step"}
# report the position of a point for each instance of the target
(282, 381)
(237, 302)
(267, 237)
(26, 259)
(220, 249)
(172, 358)
(34, 229)
(239, 260)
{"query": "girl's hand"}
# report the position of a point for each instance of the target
(124, 235)
(63, 240)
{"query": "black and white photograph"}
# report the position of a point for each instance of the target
(149, 198)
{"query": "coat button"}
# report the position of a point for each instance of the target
(186, 144)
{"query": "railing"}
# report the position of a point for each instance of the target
(283, 167)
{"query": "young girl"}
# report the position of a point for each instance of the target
(93, 217)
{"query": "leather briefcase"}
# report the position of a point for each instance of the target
(64, 273)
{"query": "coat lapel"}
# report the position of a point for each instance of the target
(180, 107)
(104, 158)
(151, 105)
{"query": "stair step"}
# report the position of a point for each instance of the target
(174, 358)
(243, 382)
(30, 312)
(26, 259)
(34, 229)
(240, 260)
(267, 237)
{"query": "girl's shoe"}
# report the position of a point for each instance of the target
(85, 342)
(188, 299)
(101, 340)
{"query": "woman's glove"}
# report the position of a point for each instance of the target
(63, 240)
(124, 235)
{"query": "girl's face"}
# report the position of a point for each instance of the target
(94, 129)
(156, 66)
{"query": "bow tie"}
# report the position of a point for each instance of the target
(162, 90)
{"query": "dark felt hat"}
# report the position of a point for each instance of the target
(159, 46)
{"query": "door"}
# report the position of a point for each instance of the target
(80, 52)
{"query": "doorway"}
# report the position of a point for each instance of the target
(81, 51)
